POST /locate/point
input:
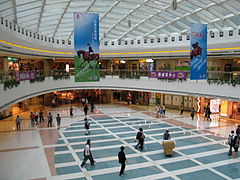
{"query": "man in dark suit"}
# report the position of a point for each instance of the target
(122, 160)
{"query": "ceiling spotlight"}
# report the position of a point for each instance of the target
(129, 23)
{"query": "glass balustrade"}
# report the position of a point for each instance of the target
(211, 75)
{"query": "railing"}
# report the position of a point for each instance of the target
(218, 77)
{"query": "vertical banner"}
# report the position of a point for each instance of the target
(198, 54)
(86, 47)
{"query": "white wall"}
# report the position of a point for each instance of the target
(192, 88)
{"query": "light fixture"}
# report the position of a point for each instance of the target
(129, 23)
(149, 60)
(122, 61)
(174, 5)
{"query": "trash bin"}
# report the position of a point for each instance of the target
(168, 146)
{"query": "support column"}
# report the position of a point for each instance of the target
(46, 66)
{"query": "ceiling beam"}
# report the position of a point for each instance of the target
(187, 16)
(60, 20)
(14, 11)
(40, 15)
(125, 16)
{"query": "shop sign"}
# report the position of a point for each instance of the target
(12, 59)
(22, 76)
(168, 74)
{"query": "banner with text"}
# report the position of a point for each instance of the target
(198, 54)
(167, 74)
(22, 76)
(86, 47)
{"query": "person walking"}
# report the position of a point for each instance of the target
(166, 135)
(87, 126)
(71, 111)
(236, 143)
(92, 106)
(85, 109)
(192, 113)
(18, 122)
(41, 116)
(230, 142)
(83, 101)
(164, 109)
(32, 116)
(50, 119)
(161, 111)
(181, 109)
(238, 132)
(87, 154)
(36, 117)
(208, 112)
(122, 160)
(140, 137)
(58, 118)
(158, 110)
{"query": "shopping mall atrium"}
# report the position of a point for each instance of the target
(107, 70)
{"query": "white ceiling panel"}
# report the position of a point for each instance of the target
(121, 19)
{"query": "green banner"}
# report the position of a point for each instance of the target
(86, 71)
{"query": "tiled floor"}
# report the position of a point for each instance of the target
(199, 154)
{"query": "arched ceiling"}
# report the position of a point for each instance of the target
(121, 19)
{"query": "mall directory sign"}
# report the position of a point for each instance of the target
(86, 47)
(198, 53)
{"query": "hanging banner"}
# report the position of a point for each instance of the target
(168, 74)
(198, 54)
(86, 47)
(22, 76)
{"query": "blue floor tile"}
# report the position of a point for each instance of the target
(203, 149)
(214, 158)
(108, 152)
(114, 163)
(231, 170)
(123, 135)
(217, 138)
(179, 165)
(191, 141)
(107, 143)
(107, 122)
(63, 158)
(200, 175)
(113, 125)
(152, 147)
(85, 138)
(133, 119)
(166, 178)
(60, 142)
(61, 148)
(68, 170)
(83, 178)
(160, 156)
(78, 146)
(122, 129)
(101, 118)
(134, 173)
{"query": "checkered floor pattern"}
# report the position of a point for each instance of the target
(197, 155)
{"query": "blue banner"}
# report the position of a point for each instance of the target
(86, 47)
(198, 54)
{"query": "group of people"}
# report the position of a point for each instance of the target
(35, 116)
(233, 140)
(161, 110)
(87, 153)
